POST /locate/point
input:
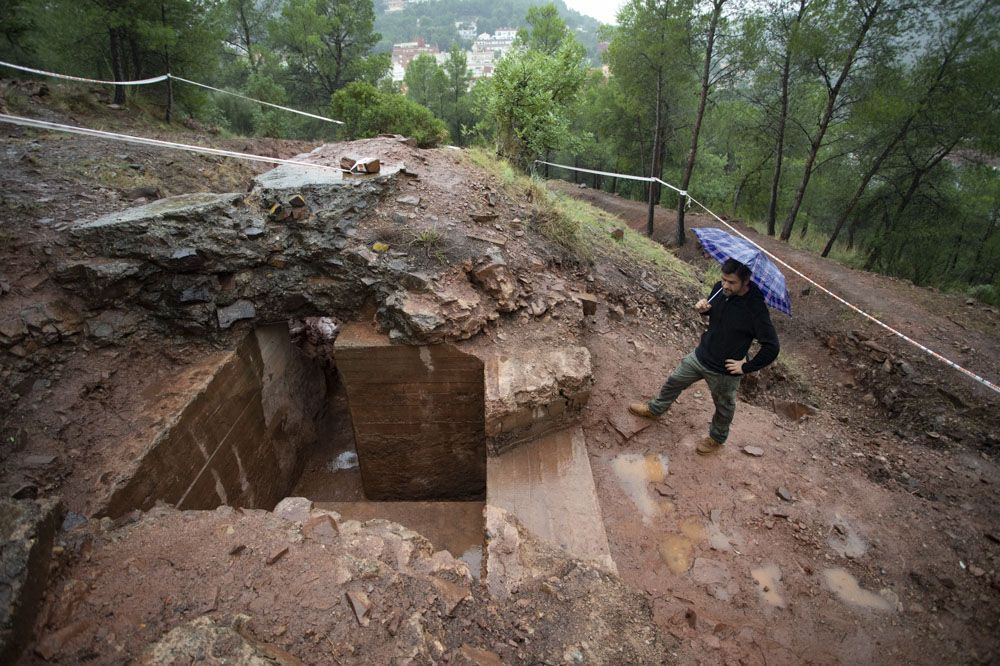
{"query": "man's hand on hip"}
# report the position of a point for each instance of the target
(735, 367)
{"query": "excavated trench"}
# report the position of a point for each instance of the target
(387, 431)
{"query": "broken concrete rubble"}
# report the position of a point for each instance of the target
(374, 593)
(531, 392)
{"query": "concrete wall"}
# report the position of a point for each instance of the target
(418, 414)
(239, 438)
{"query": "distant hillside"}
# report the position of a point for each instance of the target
(435, 20)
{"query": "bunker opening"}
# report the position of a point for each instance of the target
(338, 415)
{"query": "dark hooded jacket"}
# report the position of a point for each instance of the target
(733, 323)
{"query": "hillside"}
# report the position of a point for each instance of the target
(207, 372)
(435, 22)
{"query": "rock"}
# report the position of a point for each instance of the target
(38, 460)
(295, 509)
(754, 451)
(231, 314)
(110, 326)
(532, 391)
(101, 281)
(451, 595)
(185, 259)
(483, 218)
(321, 528)
(12, 330)
(204, 641)
(409, 200)
(473, 656)
(615, 312)
(27, 530)
(783, 493)
(275, 556)
(618, 234)
(493, 275)
(361, 606)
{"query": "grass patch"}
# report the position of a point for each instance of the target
(814, 241)
(583, 231)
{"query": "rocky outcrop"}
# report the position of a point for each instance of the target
(531, 392)
(27, 531)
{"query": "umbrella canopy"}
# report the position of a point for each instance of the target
(763, 272)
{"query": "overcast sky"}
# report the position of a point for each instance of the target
(602, 10)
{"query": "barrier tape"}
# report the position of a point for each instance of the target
(982, 380)
(164, 77)
(645, 179)
(276, 106)
(128, 138)
(140, 82)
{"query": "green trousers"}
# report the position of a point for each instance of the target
(723, 388)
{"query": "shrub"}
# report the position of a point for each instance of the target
(368, 111)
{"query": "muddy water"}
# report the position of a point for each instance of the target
(453, 526)
(677, 550)
(768, 579)
(846, 587)
(635, 472)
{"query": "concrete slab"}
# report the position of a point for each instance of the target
(549, 486)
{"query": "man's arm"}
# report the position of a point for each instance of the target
(768, 338)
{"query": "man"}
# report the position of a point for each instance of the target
(736, 317)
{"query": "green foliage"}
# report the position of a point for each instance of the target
(529, 97)
(327, 45)
(367, 111)
(426, 83)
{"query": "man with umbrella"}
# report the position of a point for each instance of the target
(737, 315)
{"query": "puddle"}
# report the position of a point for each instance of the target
(846, 587)
(677, 550)
(635, 472)
(346, 460)
(474, 558)
(768, 579)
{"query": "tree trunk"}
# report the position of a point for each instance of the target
(170, 83)
(833, 92)
(654, 171)
(117, 67)
(702, 100)
(576, 174)
(786, 73)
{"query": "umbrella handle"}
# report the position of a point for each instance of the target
(717, 291)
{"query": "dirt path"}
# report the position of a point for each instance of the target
(885, 552)
(947, 323)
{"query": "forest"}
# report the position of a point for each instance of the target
(866, 130)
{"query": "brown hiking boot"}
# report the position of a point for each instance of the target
(708, 447)
(642, 409)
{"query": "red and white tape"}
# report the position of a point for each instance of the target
(164, 77)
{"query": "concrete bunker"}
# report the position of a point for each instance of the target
(361, 426)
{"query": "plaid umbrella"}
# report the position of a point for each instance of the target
(763, 273)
